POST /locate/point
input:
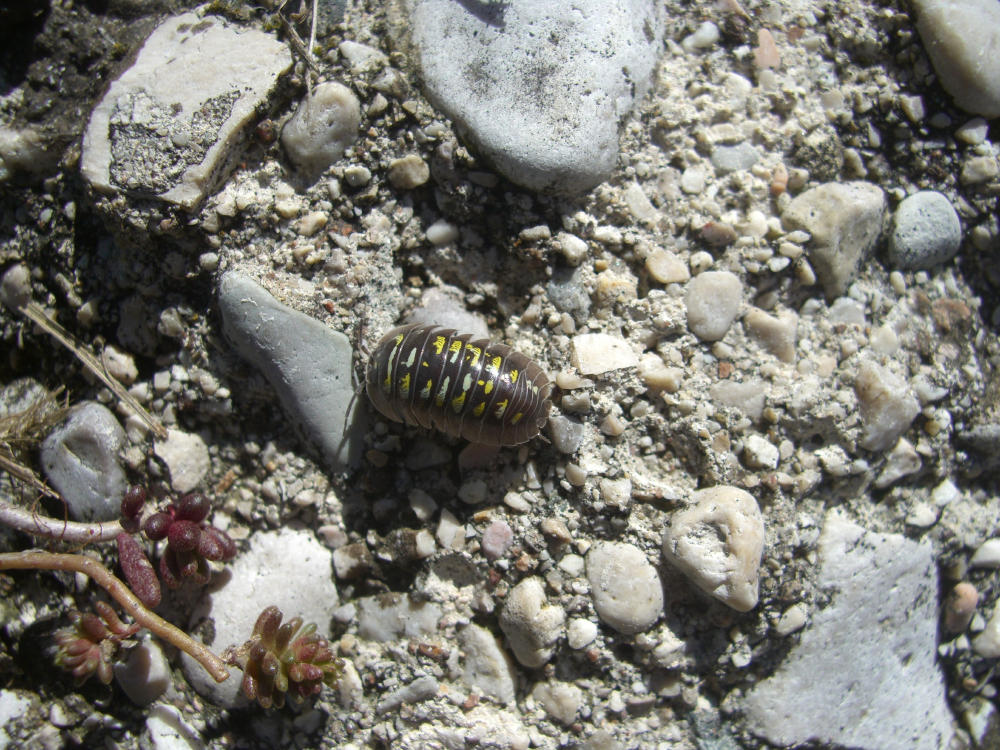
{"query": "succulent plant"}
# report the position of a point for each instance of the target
(91, 644)
(280, 660)
(191, 541)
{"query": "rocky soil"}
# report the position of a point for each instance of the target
(753, 244)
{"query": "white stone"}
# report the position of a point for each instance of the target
(145, 674)
(256, 579)
(324, 125)
(13, 705)
(777, 334)
(962, 38)
(532, 625)
(792, 619)
(666, 267)
(845, 221)
(717, 542)
(713, 301)
(166, 729)
(561, 700)
(902, 461)
(887, 406)
(864, 674)
(987, 555)
(580, 633)
(624, 586)
(168, 125)
(186, 457)
(544, 114)
(487, 667)
(987, 643)
(760, 453)
(596, 353)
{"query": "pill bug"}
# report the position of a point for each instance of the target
(461, 385)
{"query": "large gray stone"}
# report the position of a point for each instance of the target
(864, 674)
(962, 38)
(80, 457)
(169, 125)
(538, 88)
(308, 364)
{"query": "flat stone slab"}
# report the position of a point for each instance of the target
(308, 364)
(864, 674)
(538, 87)
(169, 125)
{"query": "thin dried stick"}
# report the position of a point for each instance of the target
(52, 528)
(26, 475)
(38, 560)
(37, 315)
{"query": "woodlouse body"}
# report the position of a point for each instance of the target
(472, 388)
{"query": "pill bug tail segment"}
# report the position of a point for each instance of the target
(466, 387)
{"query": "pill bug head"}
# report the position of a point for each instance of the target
(464, 386)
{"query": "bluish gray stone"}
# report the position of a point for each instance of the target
(925, 231)
(864, 674)
(80, 459)
(728, 159)
(308, 364)
(538, 88)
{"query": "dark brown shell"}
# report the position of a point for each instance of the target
(472, 388)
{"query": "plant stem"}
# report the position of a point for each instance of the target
(39, 560)
(64, 531)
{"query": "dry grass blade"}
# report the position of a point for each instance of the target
(36, 314)
(23, 431)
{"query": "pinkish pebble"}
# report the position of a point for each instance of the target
(497, 539)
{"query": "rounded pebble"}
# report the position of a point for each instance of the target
(960, 606)
(596, 353)
(145, 674)
(666, 268)
(625, 587)
(713, 301)
(718, 543)
(323, 127)
(186, 457)
(561, 700)
(925, 231)
(531, 624)
(497, 538)
(80, 459)
(408, 172)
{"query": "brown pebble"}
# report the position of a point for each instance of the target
(960, 606)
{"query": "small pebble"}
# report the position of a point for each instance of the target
(693, 180)
(960, 606)
(566, 433)
(323, 127)
(901, 461)
(596, 353)
(486, 666)
(561, 700)
(792, 619)
(727, 159)
(580, 633)
(704, 37)
(625, 587)
(987, 643)
(120, 365)
(531, 624)
(144, 675)
(777, 334)
(759, 453)
(844, 221)
(450, 531)
(925, 233)
(717, 542)
(408, 172)
(186, 457)
(80, 458)
(15, 287)
(573, 248)
(666, 268)
(887, 406)
(713, 301)
(987, 555)
(497, 538)
(973, 132)
(442, 232)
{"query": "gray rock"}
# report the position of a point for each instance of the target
(420, 689)
(567, 292)
(259, 578)
(864, 673)
(487, 667)
(390, 616)
(169, 125)
(186, 457)
(310, 371)
(80, 459)
(962, 38)
(531, 624)
(728, 159)
(567, 434)
(887, 406)
(625, 587)
(713, 300)
(144, 675)
(544, 113)
(324, 126)
(442, 306)
(845, 220)
(925, 231)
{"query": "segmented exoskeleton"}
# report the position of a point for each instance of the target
(472, 388)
